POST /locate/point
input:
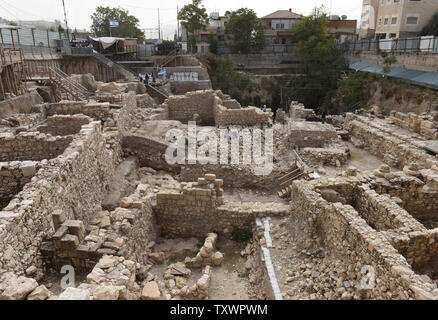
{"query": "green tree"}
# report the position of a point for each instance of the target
(193, 18)
(353, 93)
(321, 62)
(431, 27)
(128, 24)
(388, 62)
(224, 78)
(213, 42)
(247, 30)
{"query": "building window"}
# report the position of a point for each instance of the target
(394, 20)
(396, 1)
(386, 21)
(412, 20)
(380, 21)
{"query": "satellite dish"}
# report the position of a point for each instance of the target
(344, 17)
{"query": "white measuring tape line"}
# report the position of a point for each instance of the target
(268, 260)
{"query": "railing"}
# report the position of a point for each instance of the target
(61, 82)
(111, 64)
(163, 94)
(416, 44)
(71, 51)
(271, 48)
(32, 52)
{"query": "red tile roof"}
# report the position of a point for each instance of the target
(283, 14)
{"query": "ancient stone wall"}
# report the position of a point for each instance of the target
(394, 149)
(97, 111)
(203, 202)
(305, 134)
(331, 155)
(34, 146)
(63, 125)
(74, 183)
(20, 104)
(350, 236)
(182, 87)
(149, 151)
(423, 125)
(298, 111)
(237, 116)
(14, 175)
(210, 108)
(183, 108)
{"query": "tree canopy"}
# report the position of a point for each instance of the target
(128, 24)
(431, 28)
(321, 62)
(247, 30)
(193, 16)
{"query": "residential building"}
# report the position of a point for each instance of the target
(215, 26)
(342, 28)
(368, 19)
(397, 18)
(278, 26)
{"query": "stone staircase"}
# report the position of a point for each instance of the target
(153, 91)
(299, 171)
(64, 88)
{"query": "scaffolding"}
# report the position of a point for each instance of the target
(12, 73)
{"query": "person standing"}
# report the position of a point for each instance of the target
(146, 79)
(324, 116)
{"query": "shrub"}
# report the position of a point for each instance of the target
(241, 235)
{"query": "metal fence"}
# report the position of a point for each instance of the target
(417, 44)
(30, 37)
(273, 48)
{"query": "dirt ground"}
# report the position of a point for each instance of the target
(228, 282)
(361, 159)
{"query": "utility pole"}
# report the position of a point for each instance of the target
(65, 17)
(177, 24)
(159, 27)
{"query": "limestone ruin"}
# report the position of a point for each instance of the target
(348, 210)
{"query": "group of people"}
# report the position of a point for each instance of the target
(82, 45)
(147, 78)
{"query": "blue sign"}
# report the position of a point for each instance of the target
(113, 23)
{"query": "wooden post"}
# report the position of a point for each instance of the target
(12, 38)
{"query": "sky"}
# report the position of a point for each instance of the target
(79, 11)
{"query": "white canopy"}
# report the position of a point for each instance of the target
(106, 42)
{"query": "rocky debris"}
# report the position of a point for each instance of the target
(40, 293)
(106, 293)
(111, 274)
(75, 294)
(151, 291)
(158, 257)
(16, 288)
(177, 270)
(200, 290)
(86, 80)
(206, 255)
(332, 196)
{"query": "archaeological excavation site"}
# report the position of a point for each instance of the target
(347, 211)
(120, 186)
